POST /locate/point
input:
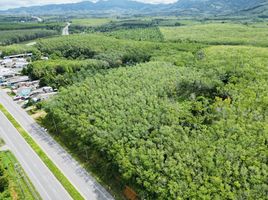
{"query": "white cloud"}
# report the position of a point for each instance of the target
(5, 4)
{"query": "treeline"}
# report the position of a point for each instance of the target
(15, 19)
(19, 49)
(23, 26)
(106, 26)
(198, 131)
(110, 53)
(115, 51)
(113, 26)
(16, 36)
(59, 73)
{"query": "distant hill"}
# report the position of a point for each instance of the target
(130, 7)
(86, 7)
(213, 6)
(260, 10)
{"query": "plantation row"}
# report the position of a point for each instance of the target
(115, 51)
(22, 26)
(140, 34)
(195, 132)
(15, 36)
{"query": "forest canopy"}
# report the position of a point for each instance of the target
(190, 132)
(174, 109)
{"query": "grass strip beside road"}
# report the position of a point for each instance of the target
(48, 162)
(2, 143)
(20, 186)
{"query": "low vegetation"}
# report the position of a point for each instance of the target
(90, 22)
(53, 168)
(219, 33)
(2, 143)
(14, 183)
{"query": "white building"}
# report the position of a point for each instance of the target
(7, 72)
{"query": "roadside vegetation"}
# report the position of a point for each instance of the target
(173, 109)
(2, 143)
(53, 168)
(14, 183)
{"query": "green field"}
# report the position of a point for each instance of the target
(16, 36)
(14, 180)
(218, 33)
(140, 34)
(90, 22)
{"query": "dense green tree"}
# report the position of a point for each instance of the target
(4, 191)
(176, 132)
(15, 36)
(57, 73)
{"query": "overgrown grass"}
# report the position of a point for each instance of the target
(2, 143)
(19, 184)
(91, 22)
(53, 168)
(218, 33)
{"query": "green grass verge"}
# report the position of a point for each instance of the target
(19, 185)
(53, 168)
(2, 143)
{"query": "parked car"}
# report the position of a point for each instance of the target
(17, 98)
(25, 98)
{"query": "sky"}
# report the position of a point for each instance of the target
(6, 4)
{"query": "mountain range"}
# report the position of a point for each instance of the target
(130, 7)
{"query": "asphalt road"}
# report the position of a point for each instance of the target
(44, 181)
(65, 30)
(78, 176)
